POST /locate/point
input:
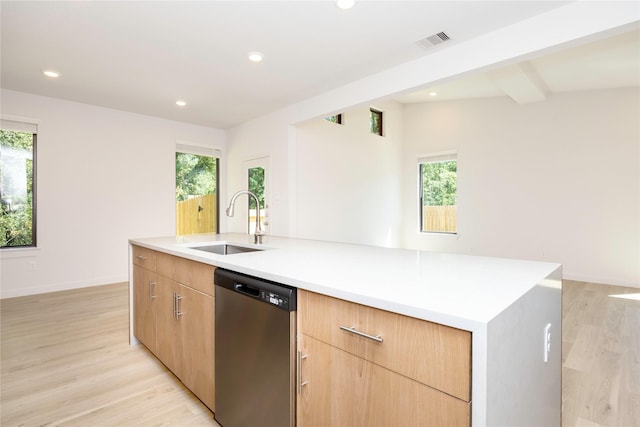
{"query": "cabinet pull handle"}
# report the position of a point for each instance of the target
(300, 382)
(176, 304)
(141, 258)
(353, 330)
(151, 285)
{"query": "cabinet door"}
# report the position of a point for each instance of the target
(168, 339)
(195, 323)
(345, 390)
(144, 306)
(185, 336)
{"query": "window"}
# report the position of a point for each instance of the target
(256, 186)
(334, 119)
(375, 121)
(17, 184)
(438, 187)
(196, 190)
(258, 177)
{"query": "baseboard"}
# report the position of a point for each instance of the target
(55, 287)
(611, 281)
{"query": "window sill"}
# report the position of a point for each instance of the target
(7, 253)
(438, 233)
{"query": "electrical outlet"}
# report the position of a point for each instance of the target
(547, 342)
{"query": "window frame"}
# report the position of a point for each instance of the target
(439, 157)
(380, 114)
(26, 125)
(338, 119)
(188, 147)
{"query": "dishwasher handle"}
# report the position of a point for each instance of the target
(247, 290)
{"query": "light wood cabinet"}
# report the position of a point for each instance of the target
(145, 258)
(167, 338)
(380, 368)
(193, 326)
(175, 319)
(144, 306)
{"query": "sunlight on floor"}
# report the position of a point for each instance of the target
(627, 296)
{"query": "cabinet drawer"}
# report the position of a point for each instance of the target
(436, 355)
(143, 257)
(343, 390)
(194, 274)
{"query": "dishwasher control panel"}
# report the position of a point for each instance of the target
(275, 299)
(268, 292)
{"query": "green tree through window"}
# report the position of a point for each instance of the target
(17, 189)
(439, 183)
(337, 118)
(195, 175)
(256, 186)
(375, 121)
(439, 187)
(196, 193)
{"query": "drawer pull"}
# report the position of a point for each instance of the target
(176, 306)
(141, 258)
(353, 330)
(301, 383)
(151, 285)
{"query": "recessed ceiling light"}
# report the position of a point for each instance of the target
(345, 4)
(181, 103)
(51, 73)
(255, 56)
(433, 93)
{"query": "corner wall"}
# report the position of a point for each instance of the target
(349, 180)
(557, 180)
(104, 176)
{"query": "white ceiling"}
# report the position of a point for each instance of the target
(604, 64)
(143, 56)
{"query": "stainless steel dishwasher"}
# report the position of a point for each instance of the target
(254, 351)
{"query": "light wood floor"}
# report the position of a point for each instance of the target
(600, 355)
(66, 361)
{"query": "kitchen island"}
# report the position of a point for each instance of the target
(510, 308)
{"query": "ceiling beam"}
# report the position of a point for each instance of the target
(520, 82)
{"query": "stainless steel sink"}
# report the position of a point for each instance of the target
(225, 249)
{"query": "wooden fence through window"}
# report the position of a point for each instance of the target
(442, 219)
(196, 215)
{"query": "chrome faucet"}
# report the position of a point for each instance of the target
(257, 236)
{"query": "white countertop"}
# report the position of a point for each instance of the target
(461, 291)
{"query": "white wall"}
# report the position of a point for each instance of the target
(266, 136)
(129, 158)
(104, 176)
(349, 180)
(557, 180)
(276, 133)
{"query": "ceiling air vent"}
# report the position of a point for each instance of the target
(435, 39)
